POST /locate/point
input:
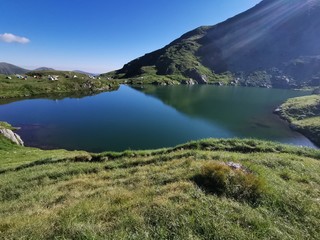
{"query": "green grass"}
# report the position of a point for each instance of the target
(239, 183)
(304, 115)
(19, 88)
(6, 125)
(153, 194)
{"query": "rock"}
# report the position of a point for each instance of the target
(204, 79)
(194, 74)
(234, 82)
(264, 85)
(189, 82)
(237, 166)
(277, 110)
(218, 84)
(293, 127)
(12, 136)
(234, 165)
(158, 83)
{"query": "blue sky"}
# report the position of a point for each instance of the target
(100, 35)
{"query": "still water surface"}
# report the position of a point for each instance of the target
(151, 117)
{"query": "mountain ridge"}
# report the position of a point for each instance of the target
(272, 44)
(9, 69)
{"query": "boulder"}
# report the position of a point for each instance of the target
(12, 136)
(194, 74)
(189, 82)
(277, 110)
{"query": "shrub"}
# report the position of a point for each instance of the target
(240, 184)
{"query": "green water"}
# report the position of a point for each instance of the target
(152, 117)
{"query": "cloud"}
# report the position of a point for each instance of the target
(11, 38)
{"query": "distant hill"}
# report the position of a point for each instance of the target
(276, 43)
(86, 73)
(44, 69)
(8, 69)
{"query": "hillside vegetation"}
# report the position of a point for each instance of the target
(274, 44)
(304, 115)
(187, 192)
(38, 84)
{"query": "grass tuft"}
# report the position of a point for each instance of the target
(218, 178)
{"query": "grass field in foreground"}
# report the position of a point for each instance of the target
(157, 194)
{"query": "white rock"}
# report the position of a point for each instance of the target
(12, 136)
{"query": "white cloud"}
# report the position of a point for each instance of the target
(10, 38)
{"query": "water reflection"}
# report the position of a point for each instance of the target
(246, 112)
(152, 117)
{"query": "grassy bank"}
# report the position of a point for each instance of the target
(38, 83)
(186, 192)
(304, 115)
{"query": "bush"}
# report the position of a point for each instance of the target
(240, 184)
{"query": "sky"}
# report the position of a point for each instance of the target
(100, 35)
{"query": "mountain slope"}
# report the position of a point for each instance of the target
(8, 69)
(86, 73)
(274, 43)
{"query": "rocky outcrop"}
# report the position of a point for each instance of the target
(196, 75)
(7, 133)
(189, 82)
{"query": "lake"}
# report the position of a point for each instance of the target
(151, 117)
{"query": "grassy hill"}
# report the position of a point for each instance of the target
(185, 192)
(38, 84)
(44, 69)
(274, 44)
(304, 115)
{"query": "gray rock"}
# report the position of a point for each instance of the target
(194, 74)
(293, 127)
(234, 165)
(189, 82)
(218, 84)
(203, 79)
(12, 136)
(237, 166)
(277, 110)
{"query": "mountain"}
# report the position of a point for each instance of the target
(86, 73)
(275, 43)
(44, 69)
(8, 69)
